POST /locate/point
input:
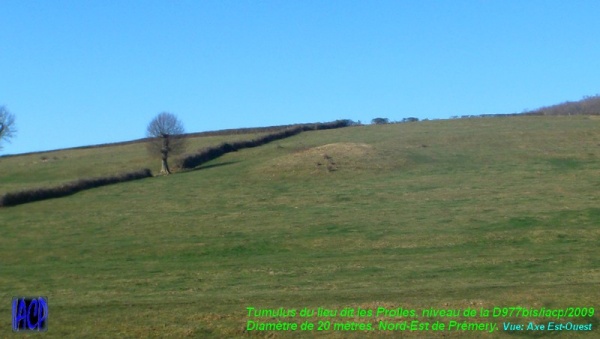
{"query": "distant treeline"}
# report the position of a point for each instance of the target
(210, 153)
(589, 105)
(37, 194)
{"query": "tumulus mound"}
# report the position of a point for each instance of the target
(323, 159)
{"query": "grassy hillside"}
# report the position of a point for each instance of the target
(445, 214)
(51, 168)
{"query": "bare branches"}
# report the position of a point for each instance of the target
(7, 125)
(165, 124)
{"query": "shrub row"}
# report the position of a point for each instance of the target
(211, 153)
(249, 130)
(36, 194)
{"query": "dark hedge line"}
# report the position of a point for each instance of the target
(211, 153)
(248, 130)
(36, 194)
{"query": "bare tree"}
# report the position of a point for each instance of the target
(166, 132)
(7, 125)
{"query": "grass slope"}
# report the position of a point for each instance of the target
(448, 214)
(60, 166)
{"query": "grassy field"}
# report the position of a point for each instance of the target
(455, 214)
(52, 168)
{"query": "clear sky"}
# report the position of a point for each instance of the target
(84, 72)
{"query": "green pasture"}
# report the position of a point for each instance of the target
(452, 214)
(56, 167)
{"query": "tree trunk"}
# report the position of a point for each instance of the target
(165, 154)
(165, 167)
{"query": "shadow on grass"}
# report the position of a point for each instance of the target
(202, 167)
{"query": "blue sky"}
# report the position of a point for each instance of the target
(77, 73)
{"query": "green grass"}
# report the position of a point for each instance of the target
(446, 214)
(52, 168)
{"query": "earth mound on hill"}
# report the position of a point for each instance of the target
(328, 158)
